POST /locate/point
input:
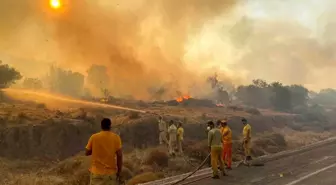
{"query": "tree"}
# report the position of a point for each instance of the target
(325, 97)
(257, 94)
(299, 94)
(281, 98)
(32, 83)
(66, 82)
(98, 77)
(260, 83)
(8, 75)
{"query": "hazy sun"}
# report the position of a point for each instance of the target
(55, 4)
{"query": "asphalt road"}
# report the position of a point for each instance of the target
(316, 167)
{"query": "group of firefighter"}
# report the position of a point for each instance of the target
(172, 136)
(219, 142)
(105, 148)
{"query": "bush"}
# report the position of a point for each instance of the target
(41, 106)
(270, 143)
(133, 115)
(145, 177)
(197, 151)
(8, 75)
(157, 157)
(253, 111)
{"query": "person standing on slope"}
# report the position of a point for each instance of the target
(163, 131)
(180, 133)
(172, 131)
(216, 149)
(105, 150)
(227, 144)
(247, 141)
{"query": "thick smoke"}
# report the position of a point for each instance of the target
(292, 44)
(141, 42)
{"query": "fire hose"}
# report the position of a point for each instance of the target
(192, 173)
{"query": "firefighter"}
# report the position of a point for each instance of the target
(180, 134)
(172, 132)
(247, 141)
(163, 129)
(216, 149)
(227, 144)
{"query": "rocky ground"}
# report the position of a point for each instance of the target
(41, 144)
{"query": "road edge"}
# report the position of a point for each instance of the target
(266, 158)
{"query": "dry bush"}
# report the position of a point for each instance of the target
(126, 173)
(80, 177)
(41, 106)
(144, 169)
(33, 179)
(157, 157)
(133, 115)
(197, 150)
(145, 177)
(296, 139)
(269, 143)
(71, 165)
(235, 108)
(253, 111)
(129, 164)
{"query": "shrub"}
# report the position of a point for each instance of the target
(133, 115)
(253, 111)
(157, 157)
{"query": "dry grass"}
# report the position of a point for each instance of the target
(145, 177)
(146, 164)
(296, 139)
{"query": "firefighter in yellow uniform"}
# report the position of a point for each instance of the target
(247, 141)
(180, 133)
(163, 131)
(216, 149)
(227, 143)
(172, 131)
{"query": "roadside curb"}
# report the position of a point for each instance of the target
(203, 173)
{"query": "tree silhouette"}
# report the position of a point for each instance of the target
(8, 75)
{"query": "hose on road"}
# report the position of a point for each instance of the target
(197, 169)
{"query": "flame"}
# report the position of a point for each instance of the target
(55, 4)
(182, 98)
(220, 105)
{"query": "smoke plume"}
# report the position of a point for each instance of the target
(175, 43)
(141, 42)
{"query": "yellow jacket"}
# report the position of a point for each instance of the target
(247, 132)
(180, 133)
(227, 138)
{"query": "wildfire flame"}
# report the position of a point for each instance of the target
(220, 105)
(182, 98)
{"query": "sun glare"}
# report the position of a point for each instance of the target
(56, 4)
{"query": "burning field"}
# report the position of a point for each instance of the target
(44, 144)
(66, 64)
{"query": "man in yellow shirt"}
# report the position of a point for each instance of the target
(227, 144)
(247, 140)
(216, 149)
(106, 152)
(180, 133)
